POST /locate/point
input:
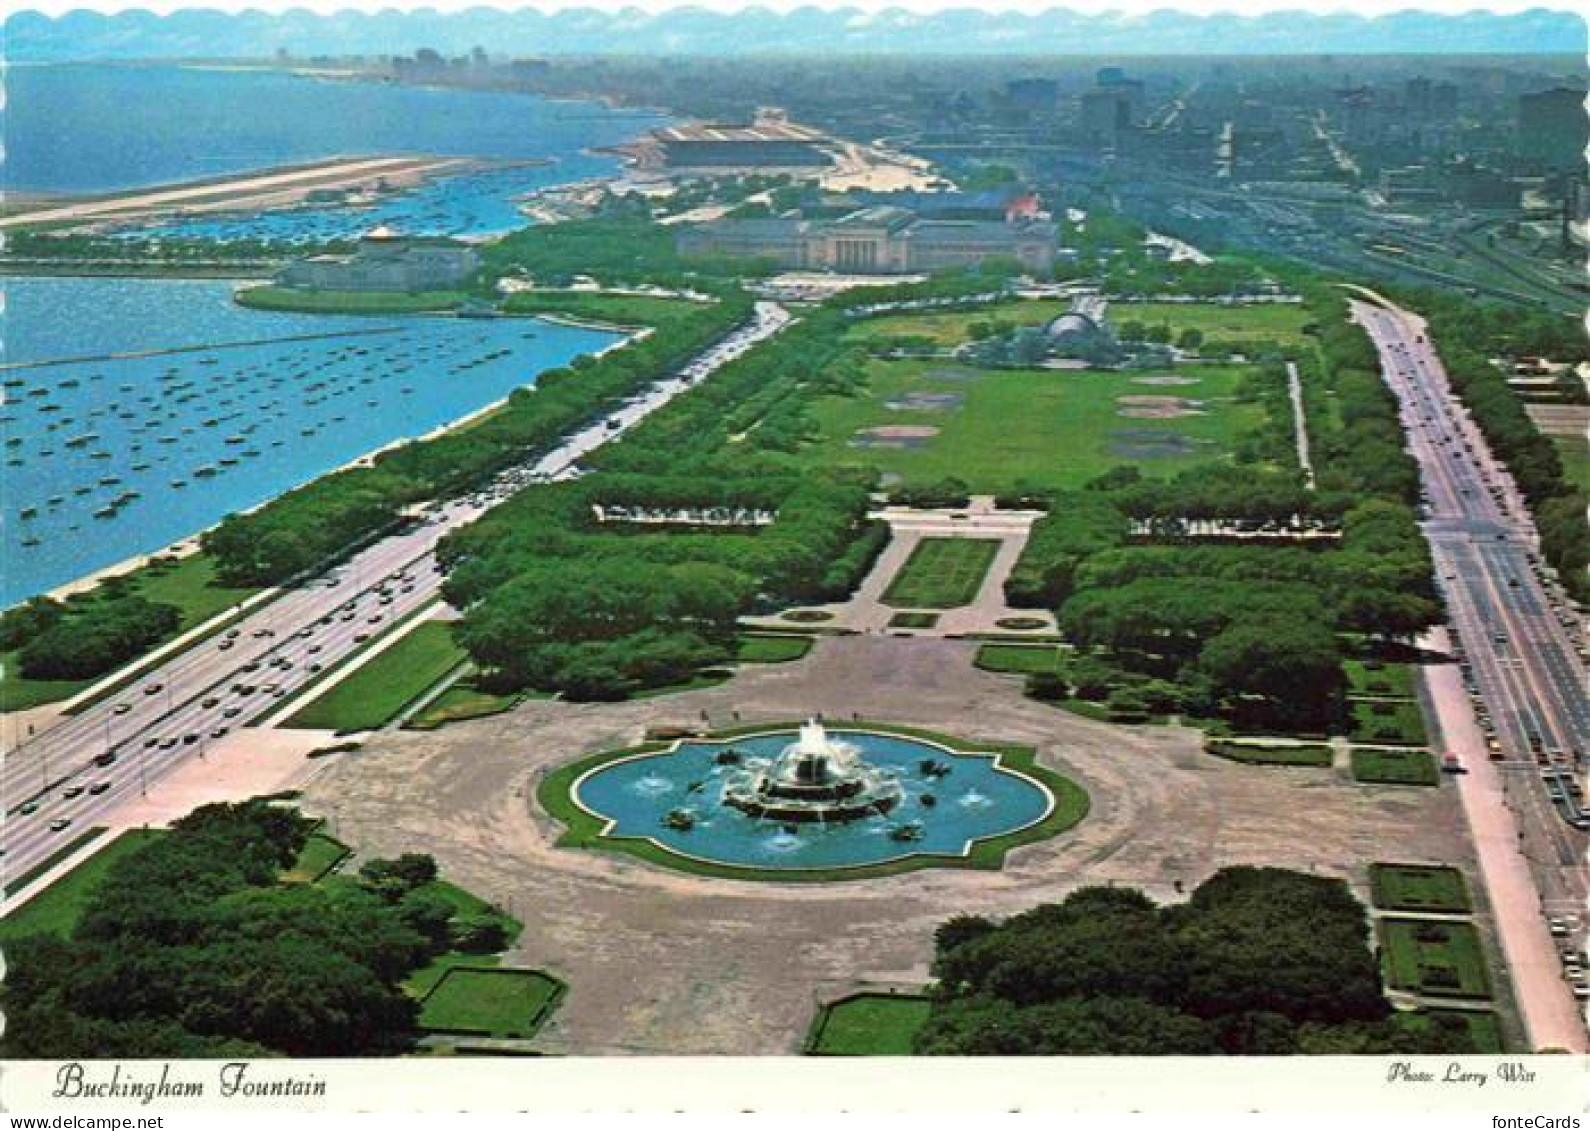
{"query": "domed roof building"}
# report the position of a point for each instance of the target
(1076, 335)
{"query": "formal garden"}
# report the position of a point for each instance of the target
(1419, 887)
(942, 573)
(1434, 957)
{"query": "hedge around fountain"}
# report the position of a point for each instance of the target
(584, 830)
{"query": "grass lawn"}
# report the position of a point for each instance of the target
(707, 677)
(868, 1025)
(348, 302)
(913, 620)
(463, 700)
(380, 688)
(1054, 428)
(188, 583)
(1432, 957)
(56, 910)
(320, 854)
(1380, 679)
(1485, 1031)
(755, 649)
(1398, 722)
(1418, 887)
(1575, 455)
(1279, 754)
(1281, 323)
(950, 327)
(1017, 659)
(942, 573)
(423, 980)
(617, 310)
(502, 1003)
(1395, 767)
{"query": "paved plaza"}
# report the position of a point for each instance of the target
(866, 611)
(663, 962)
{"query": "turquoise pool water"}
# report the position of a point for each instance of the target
(975, 800)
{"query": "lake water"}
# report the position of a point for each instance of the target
(183, 439)
(97, 128)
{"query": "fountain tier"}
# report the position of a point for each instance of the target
(814, 778)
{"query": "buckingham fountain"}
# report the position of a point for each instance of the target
(814, 778)
(811, 798)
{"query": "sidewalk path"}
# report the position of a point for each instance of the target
(1549, 1011)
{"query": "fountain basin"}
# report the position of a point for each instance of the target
(768, 811)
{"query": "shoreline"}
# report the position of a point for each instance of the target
(188, 544)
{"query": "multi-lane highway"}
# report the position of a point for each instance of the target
(72, 775)
(1520, 649)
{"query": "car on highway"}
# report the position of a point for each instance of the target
(60, 824)
(210, 702)
(154, 689)
(72, 791)
(1452, 764)
(220, 732)
(29, 808)
(121, 708)
(99, 787)
(232, 712)
(168, 743)
(106, 759)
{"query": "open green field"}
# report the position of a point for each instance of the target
(304, 300)
(320, 854)
(1267, 322)
(951, 327)
(1397, 722)
(1379, 679)
(463, 700)
(1418, 887)
(1271, 754)
(752, 648)
(56, 910)
(868, 1025)
(1434, 957)
(942, 573)
(499, 1003)
(1017, 659)
(1055, 428)
(1575, 454)
(615, 310)
(1394, 767)
(380, 688)
(187, 583)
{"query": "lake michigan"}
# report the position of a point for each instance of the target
(106, 457)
